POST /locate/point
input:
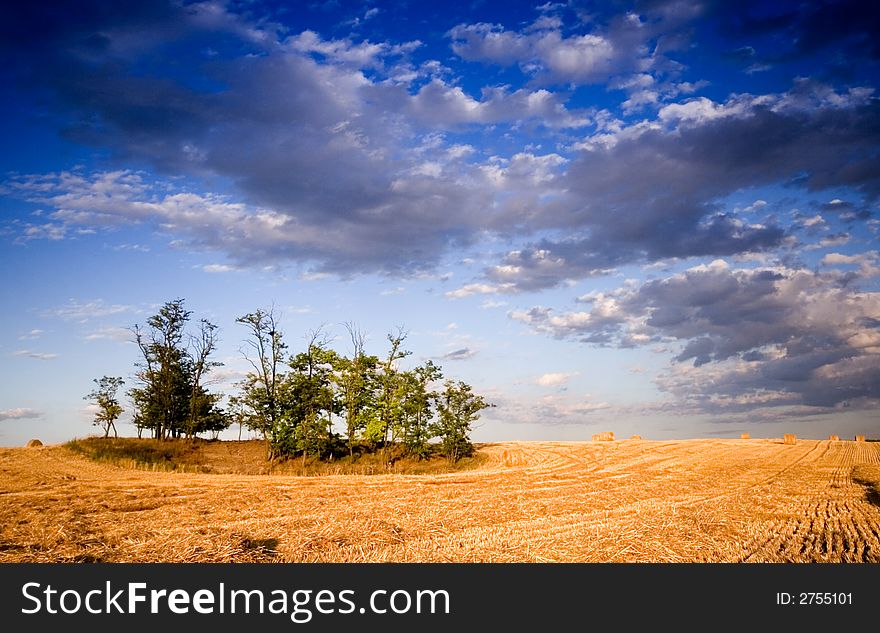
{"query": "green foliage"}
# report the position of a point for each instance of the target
(169, 399)
(385, 424)
(458, 407)
(417, 408)
(109, 409)
(296, 401)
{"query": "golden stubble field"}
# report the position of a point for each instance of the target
(626, 501)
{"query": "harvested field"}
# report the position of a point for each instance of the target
(667, 501)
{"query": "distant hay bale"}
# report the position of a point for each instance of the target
(634, 437)
(789, 438)
(745, 436)
(834, 438)
(607, 436)
(860, 438)
(34, 443)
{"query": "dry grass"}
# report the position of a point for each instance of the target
(673, 501)
(789, 438)
(607, 436)
(249, 458)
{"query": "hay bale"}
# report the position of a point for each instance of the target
(607, 436)
(860, 438)
(834, 438)
(635, 437)
(34, 443)
(745, 436)
(789, 438)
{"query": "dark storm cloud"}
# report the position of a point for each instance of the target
(654, 195)
(806, 27)
(335, 168)
(349, 169)
(751, 336)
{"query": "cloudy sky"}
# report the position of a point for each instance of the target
(656, 217)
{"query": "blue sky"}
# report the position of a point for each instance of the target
(656, 218)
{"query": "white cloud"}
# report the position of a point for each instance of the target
(362, 55)
(474, 289)
(77, 311)
(776, 336)
(442, 105)
(26, 353)
(219, 268)
(701, 110)
(543, 51)
(549, 409)
(110, 333)
(20, 413)
(399, 290)
(555, 379)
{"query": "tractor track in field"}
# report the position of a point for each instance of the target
(831, 522)
(624, 501)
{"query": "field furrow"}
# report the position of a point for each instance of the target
(624, 501)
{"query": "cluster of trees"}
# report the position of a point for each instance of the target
(316, 402)
(298, 400)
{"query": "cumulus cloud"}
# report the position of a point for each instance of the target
(544, 50)
(554, 379)
(20, 413)
(294, 113)
(444, 106)
(778, 336)
(654, 194)
(551, 409)
(291, 112)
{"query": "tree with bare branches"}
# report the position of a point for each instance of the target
(260, 389)
(355, 378)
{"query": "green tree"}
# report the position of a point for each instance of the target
(163, 398)
(208, 417)
(354, 378)
(109, 409)
(170, 396)
(384, 423)
(202, 345)
(259, 400)
(310, 401)
(417, 408)
(458, 407)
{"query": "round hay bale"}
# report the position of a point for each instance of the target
(34, 443)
